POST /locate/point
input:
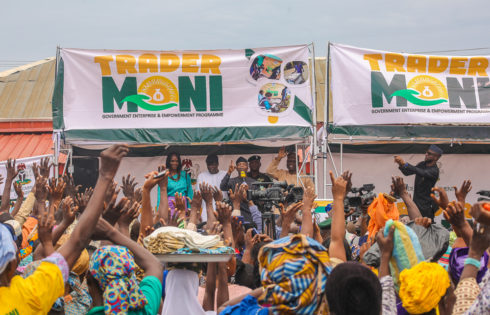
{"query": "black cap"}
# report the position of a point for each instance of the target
(254, 158)
(212, 158)
(241, 159)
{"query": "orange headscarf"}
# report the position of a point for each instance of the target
(380, 211)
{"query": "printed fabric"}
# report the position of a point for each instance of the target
(294, 275)
(114, 268)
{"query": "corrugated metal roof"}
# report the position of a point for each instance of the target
(24, 145)
(26, 91)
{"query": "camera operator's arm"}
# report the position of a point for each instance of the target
(336, 248)
(307, 219)
(399, 188)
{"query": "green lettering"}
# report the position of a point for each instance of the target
(483, 92)
(380, 87)
(215, 93)
(111, 93)
(196, 93)
(466, 92)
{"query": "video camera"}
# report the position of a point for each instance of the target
(266, 194)
(363, 196)
(485, 195)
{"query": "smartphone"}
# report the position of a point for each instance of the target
(254, 232)
(161, 174)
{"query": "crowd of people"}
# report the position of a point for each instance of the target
(67, 251)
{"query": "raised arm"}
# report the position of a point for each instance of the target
(224, 185)
(80, 237)
(11, 174)
(399, 188)
(163, 205)
(20, 199)
(307, 219)
(272, 168)
(336, 248)
(142, 257)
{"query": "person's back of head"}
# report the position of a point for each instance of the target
(353, 289)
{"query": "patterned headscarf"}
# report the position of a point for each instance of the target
(113, 267)
(407, 251)
(294, 274)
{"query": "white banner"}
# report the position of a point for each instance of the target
(25, 176)
(378, 169)
(378, 87)
(265, 87)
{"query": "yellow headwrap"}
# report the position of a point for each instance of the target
(423, 286)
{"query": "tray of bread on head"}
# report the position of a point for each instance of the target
(172, 244)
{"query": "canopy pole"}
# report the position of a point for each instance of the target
(314, 152)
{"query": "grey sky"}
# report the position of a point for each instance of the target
(31, 30)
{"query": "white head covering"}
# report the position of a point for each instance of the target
(8, 249)
(181, 288)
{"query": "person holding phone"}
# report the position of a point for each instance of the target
(179, 181)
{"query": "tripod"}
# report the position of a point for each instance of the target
(268, 220)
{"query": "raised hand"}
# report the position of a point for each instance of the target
(35, 170)
(41, 193)
(347, 176)
(111, 190)
(454, 213)
(242, 192)
(237, 232)
(309, 196)
(339, 186)
(164, 179)
(480, 240)
(398, 186)
(113, 211)
(289, 214)
(110, 160)
(217, 194)
(386, 243)
(12, 172)
(44, 232)
(206, 192)
(216, 229)
(56, 190)
(81, 199)
(128, 186)
(45, 167)
(223, 212)
(180, 202)
(463, 191)
(151, 181)
(235, 197)
(480, 214)
(249, 239)
(399, 160)
(443, 200)
(174, 219)
(69, 210)
(18, 190)
(128, 216)
(231, 168)
(138, 195)
(282, 153)
(71, 189)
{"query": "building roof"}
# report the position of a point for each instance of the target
(22, 145)
(26, 91)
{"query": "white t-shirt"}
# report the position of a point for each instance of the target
(213, 180)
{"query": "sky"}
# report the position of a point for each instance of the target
(31, 30)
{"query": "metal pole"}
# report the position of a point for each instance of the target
(326, 115)
(314, 149)
(341, 158)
